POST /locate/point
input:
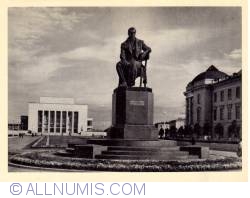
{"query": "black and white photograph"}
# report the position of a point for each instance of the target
(125, 89)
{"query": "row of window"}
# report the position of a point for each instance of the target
(221, 113)
(219, 131)
(56, 121)
(229, 94)
(229, 112)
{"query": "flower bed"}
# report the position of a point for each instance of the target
(47, 159)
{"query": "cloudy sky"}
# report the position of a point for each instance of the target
(72, 52)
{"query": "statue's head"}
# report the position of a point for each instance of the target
(131, 32)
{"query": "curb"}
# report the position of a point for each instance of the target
(44, 168)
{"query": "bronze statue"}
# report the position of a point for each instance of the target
(133, 52)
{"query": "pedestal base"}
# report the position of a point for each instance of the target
(132, 114)
(128, 131)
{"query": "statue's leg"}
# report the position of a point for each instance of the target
(144, 74)
(120, 71)
(132, 73)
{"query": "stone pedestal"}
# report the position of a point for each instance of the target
(132, 114)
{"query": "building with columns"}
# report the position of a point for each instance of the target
(213, 102)
(57, 116)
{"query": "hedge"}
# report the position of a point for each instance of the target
(49, 160)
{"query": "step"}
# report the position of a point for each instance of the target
(136, 157)
(64, 153)
(133, 142)
(70, 150)
(129, 148)
(153, 153)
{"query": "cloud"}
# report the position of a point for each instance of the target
(29, 25)
(72, 52)
(235, 54)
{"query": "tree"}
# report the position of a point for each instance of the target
(218, 130)
(197, 129)
(172, 131)
(188, 131)
(167, 133)
(161, 132)
(232, 130)
(181, 131)
(207, 129)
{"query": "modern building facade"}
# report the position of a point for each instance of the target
(90, 124)
(213, 103)
(57, 116)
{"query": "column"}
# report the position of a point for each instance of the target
(49, 122)
(189, 111)
(55, 122)
(42, 121)
(67, 119)
(73, 118)
(61, 123)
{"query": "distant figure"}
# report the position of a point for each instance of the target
(161, 133)
(21, 135)
(133, 52)
(166, 133)
(193, 140)
(239, 150)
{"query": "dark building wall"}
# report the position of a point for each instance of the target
(200, 97)
(24, 122)
(227, 104)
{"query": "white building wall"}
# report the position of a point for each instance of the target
(54, 100)
(180, 123)
(35, 107)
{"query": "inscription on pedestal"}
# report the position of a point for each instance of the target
(136, 102)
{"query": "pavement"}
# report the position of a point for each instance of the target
(17, 144)
(222, 153)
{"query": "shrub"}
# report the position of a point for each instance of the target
(48, 160)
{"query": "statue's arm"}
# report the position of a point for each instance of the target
(123, 55)
(146, 48)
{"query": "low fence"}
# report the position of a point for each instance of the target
(220, 146)
(16, 132)
(94, 134)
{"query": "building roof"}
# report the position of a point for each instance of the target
(211, 73)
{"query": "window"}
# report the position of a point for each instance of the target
(237, 111)
(198, 99)
(215, 97)
(75, 122)
(198, 114)
(222, 113)
(70, 122)
(215, 114)
(222, 96)
(46, 121)
(52, 121)
(58, 120)
(229, 94)
(64, 113)
(40, 121)
(89, 123)
(229, 112)
(237, 92)
(191, 111)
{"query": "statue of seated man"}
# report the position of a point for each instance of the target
(133, 52)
